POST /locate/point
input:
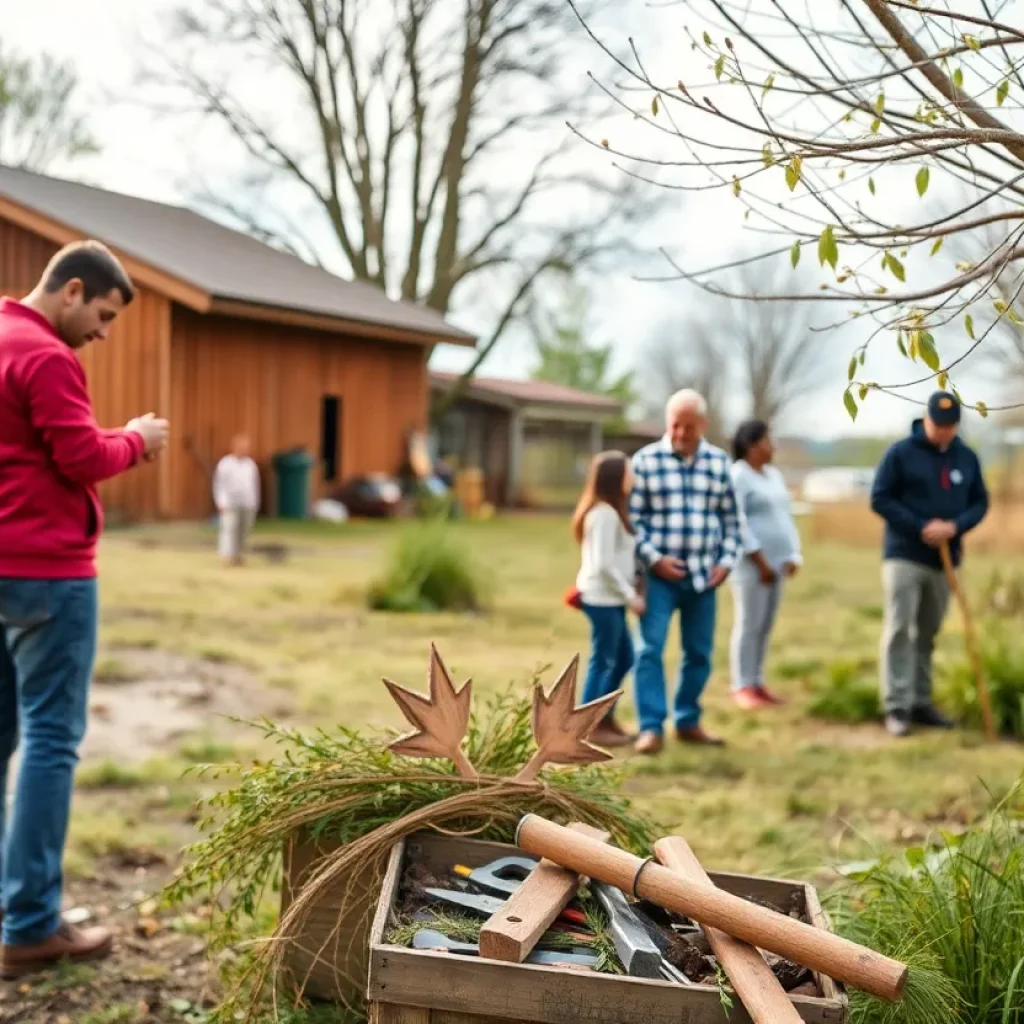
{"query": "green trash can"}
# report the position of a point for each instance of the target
(292, 468)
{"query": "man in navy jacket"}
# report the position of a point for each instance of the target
(929, 490)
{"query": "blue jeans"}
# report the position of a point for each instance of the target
(611, 650)
(48, 628)
(697, 623)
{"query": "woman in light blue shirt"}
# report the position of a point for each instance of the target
(771, 553)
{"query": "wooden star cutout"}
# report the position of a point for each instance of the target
(440, 720)
(561, 729)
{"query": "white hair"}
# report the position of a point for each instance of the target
(687, 399)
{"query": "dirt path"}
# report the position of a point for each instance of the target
(144, 704)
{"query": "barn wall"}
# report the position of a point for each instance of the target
(267, 380)
(124, 372)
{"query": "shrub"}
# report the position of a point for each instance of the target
(953, 913)
(1002, 662)
(428, 571)
(847, 694)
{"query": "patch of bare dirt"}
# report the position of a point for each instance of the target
(154, 700)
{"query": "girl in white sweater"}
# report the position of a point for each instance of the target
(607, 582)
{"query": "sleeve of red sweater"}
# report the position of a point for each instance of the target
(61, 411)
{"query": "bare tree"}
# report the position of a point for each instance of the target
(686, 354)
(780, 359)
(830, 123)
(428, 133)
(39, 124)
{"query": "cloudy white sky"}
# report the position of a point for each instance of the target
(145, 155)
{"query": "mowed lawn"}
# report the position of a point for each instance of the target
(788, 795)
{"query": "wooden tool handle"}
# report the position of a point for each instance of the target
(511, 933)
(810, 947)
(751, 978)
(991, 733)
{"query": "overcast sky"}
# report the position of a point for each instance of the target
(143, 155)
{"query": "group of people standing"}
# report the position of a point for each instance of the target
(661, 532)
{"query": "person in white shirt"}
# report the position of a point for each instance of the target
(607, 582)
(236, 493)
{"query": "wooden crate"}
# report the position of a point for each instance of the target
(409, 986)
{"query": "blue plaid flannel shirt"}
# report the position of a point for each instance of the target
(685, 508)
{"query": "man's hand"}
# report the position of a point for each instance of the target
(765, 572)
(671, 569)
(718, 576)
(153, 432)
(791, 569)
(937, 531)
(638, 606)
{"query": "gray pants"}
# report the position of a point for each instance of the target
(754, 605)
(915, 605)
(235, 524)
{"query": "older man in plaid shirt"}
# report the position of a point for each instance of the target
(688, 535)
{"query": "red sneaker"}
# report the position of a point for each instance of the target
(751, 698)
(771, 697)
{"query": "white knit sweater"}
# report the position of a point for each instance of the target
(608, 559)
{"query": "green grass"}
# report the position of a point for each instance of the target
(122, 1013)
(848, 693)
(790, 792)
(1002, 658)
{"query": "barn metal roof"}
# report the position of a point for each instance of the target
(226, 265)
(529, 392)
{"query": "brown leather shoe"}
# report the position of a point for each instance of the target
(698, 736)
(67, 943)
(648, 743)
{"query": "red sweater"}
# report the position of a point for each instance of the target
(52, 453)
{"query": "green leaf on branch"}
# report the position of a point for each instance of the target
(720, 67)
(654, 106)
(937, 246)
(958, 78)
(900, 345)
(793, 173)
(794, 254)
(929, 353)
(969, 324)
(982, 409)
(876, 125)
(922, 180)
(1002, 91)
(852, 369)
(851, 405)
(890, 262)
(1000, 306)
(828, 250)
(768, 83)
(871, 185)
(767, 156)
(972, 41)
(880, 103)
(863, 392)
(943, 380)
(707, 39)
(736, 186)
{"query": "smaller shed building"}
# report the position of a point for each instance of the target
(532, 440)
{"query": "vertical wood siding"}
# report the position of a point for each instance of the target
(268, 381)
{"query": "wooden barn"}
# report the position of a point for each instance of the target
(227, 334)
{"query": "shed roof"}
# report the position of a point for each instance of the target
(503, 391)
(208, 266)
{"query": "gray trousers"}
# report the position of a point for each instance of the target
(915, 605)
(754, 606)
(235, 524)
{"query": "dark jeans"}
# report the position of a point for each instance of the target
(48, 629)
(611, 650)
(697, 623)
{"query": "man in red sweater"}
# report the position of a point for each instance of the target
(52, 456)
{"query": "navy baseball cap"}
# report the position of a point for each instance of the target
(943, 409)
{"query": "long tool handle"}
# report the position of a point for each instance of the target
(751, 978)
(814, 948)
(972, 643)
(512, 932)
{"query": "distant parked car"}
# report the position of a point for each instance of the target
(374, 496)
(837, 483)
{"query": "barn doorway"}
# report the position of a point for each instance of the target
(330, 438)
